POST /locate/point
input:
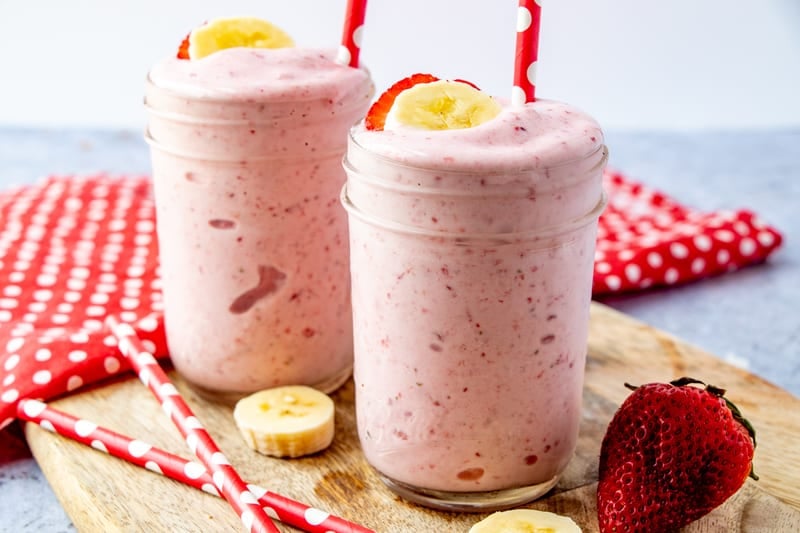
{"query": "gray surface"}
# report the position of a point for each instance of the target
(748, 317)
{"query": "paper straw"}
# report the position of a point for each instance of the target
(351, 33)
(224, 476)
(190, 473)
(529, 15)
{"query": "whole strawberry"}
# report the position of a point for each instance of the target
(671, 454)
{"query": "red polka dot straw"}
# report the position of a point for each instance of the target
(352, 33)
(190, 473)
(529, 15)
(74, 250)
(225, 477)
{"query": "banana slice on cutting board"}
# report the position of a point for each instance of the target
(287, 421)
(525, 521)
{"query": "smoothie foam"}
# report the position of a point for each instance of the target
(246, 150)
(471, 261)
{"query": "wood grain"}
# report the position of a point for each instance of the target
(104, 494)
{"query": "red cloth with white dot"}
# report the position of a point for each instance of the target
(74, 250)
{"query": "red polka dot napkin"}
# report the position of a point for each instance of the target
(71, 252)
(74, 250)
(646, 239)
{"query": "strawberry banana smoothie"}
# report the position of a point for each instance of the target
(471, 263)
(246, 152)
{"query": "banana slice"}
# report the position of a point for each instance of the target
(525, 521)
(233, 32)
(441, 105)
(286, 421)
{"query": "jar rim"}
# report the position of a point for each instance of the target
(522, 169)
(509, 237)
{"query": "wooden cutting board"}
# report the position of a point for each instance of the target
(104, 494)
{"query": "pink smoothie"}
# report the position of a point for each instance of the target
(246, 152)
(471, 262)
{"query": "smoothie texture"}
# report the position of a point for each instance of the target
(471, 262)
(246, 150)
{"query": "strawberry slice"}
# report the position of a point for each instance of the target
(376, 116)
(183, 49)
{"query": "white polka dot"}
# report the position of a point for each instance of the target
(80, 337)
(77, 356)
(626, 255)
(191, 441)
(138, 448)
(42, 295)
(72, 296)
(76, 284)
(741, 228)
(633, 272)
(106, 287)
(8, 303)
(209, 488)
(11, 362)
(99, 298)
(671, 276)
(654, 259)
(45, 280)
(110, 341)
(135, 271)
(153, 467)
(92, 325)
(9, 379)
(112, 365)
(47, 426)
(518, 96)
(343, 56)
(219, 479)
(98, 445)
(95, 310)
(37, 307)
(698, 265)
(84, 428)
(766, 239)
(702, 243)
(192, 422)
(42, 377)
(5, 315)
(12, 290)
(315, 516)
(219, 458)
(747, 246)
(43, 354)
(678, 250)
(128, 316)
(148, 323)
(524, 19)
(33, 408)
(358, 36)
(247, 498)
(10, 396)
(602, 267)
(613, 282)
(14, 345)
(80, 272)
(129, 303)
(724, 235)
(149, 345)
(167, 389)
(531, 72)
(59, 318)
(247, 518)
(65, 307)
(73, 383)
